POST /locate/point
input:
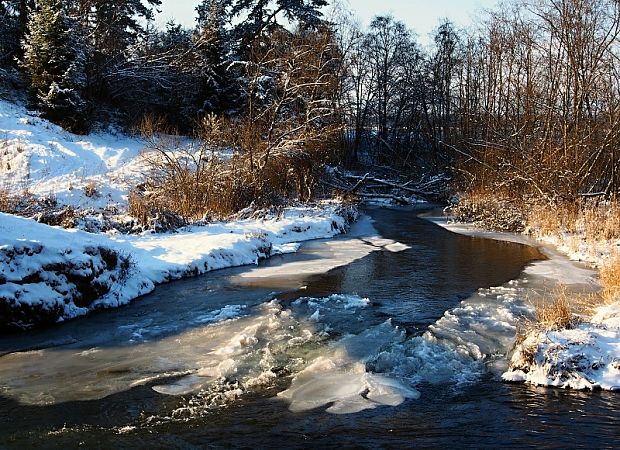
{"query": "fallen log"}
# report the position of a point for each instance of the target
(397, 198)
(359, 183)
(402, 187)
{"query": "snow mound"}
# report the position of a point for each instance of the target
(93, 171)
(586, 357)
(50, 274)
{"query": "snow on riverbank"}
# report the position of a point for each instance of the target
(49, 274)
(586, 356)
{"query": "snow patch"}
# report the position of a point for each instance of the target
(67, 273)
(586, 357)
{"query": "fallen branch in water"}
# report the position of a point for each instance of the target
(368, 186)
(402, 187)
(396, 198)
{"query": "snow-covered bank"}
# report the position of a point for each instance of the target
(50, 274)
(586, 356)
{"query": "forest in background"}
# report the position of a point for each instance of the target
(523, 109)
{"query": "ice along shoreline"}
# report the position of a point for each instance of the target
(50, 274)
(583, 357)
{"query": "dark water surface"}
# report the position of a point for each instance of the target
(413, 288)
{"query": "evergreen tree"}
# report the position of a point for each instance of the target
(112, 26)
(220, 91)
(113, 29)
(54, 55)
(13, 19)
(118, 23)
(252, 17)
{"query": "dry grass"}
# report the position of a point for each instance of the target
(552, 313)
(610, 279)
(557, 313)
(11, 201)
(548, 220)
(149, 125)
(596, 221)
(558, 309)
(601, 221)
(591, 219)
(137, 206)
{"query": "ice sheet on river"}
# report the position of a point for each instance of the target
(237, 350)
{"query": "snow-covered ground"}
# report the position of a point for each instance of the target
(49, 274)
(91, 171)
(586, 356)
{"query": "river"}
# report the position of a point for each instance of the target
(401, 345)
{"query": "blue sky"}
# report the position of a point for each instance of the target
(421, 15)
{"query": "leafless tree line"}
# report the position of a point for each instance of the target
(528, 102)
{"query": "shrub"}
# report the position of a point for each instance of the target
(229, 168)
(7, 202)
(90, 190)
(491, 211)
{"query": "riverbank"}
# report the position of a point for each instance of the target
(50, 274)
(103, 257)
(584, 352)
(582, 349)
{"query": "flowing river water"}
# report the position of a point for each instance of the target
(394, 335)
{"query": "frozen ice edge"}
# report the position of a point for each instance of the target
(158, 258)
(586, 357)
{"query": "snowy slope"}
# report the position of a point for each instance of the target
(41, 157)
(49, 274)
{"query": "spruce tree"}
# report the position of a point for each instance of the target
(54, 55)
(252, 17)
(218, 76)
(13, 18)
(115, 25)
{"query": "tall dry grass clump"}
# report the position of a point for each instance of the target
(556, 312)
(548, 219)
(610, 279)
(593, 220)
(601, 221)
